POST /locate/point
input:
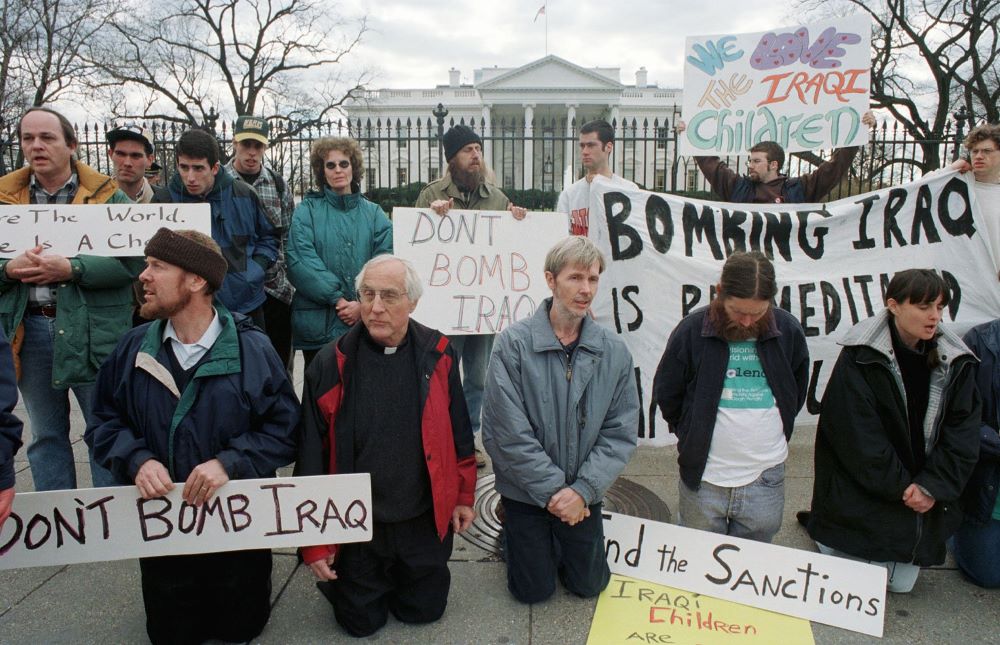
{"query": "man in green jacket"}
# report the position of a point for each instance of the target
(64, 314)
(466, 186)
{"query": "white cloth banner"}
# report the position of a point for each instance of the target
(481, 270)
(95, 524)
(830, 590)
(805, 87)
(832, 261)
(111, 230)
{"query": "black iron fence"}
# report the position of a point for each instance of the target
(532, 161)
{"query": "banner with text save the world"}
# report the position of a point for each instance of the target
(833, 262)
(805, 87)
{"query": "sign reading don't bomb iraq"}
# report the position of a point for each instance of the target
(804, 86)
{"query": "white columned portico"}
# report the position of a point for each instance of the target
(568, 149)
(528, 175)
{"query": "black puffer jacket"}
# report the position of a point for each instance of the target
(864, 457)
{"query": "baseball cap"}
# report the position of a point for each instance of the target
(252, 127)
(131, 132)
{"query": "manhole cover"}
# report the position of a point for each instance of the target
(624, 496)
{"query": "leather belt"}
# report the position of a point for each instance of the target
(49, 311)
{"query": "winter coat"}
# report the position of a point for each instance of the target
(242, 229)
(689, 379)
(864, 456)
(94, 308)
(10, 425)
(239, 406)
(332, 237)
(980, 496)
(485, 198)
(326, 439)
(549, 423)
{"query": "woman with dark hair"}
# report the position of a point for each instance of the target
(335, 230)
(898, 435)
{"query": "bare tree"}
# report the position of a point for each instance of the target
(929, 57)
(182, 60)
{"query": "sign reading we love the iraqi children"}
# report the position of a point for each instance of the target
(481, 270)
(805, 87)
(97, 524)
(109, 230)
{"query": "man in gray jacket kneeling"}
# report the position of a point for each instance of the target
(560, 421)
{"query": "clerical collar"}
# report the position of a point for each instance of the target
(382, 349)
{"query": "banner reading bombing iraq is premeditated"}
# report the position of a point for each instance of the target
(804, 86)
(833, 262)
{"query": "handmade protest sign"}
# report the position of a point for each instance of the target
(830, 590)
(95, 524)
(111, 230)
(832, 262)
(805, 87)
(631, 611)
(481, 270)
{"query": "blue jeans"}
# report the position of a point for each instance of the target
(474, 356)
(977, 552)
(50, 454)
(752, 512)
(539, 546)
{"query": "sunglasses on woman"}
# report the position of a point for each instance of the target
(343, 163)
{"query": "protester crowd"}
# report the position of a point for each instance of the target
(181, 363)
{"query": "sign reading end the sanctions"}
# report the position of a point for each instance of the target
(829, 590)
(96, 524)
(805, 87)
(481, 270)
(109, 230)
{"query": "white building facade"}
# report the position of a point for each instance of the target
(528, 117)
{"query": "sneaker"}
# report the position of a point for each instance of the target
(480, 458)
(802, 517)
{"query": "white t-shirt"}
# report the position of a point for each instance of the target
(575, 201)
(988, 197)
(748, 437)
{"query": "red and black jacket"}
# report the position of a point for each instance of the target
(326, 442)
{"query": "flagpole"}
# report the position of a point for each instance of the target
(546, 30)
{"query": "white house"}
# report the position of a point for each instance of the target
(528, 117)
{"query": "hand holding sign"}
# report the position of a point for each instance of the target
(153, 480)
(204, 480)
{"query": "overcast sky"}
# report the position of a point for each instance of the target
(413, 45)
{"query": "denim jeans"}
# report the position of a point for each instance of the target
(752, 512)
(977, 552)
(901, 575)
(474, 356)
(539, 546)
(50, 453)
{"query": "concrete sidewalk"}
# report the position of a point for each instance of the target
(101, 602)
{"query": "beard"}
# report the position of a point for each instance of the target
(467, 179)
(730, 329)
(154, 311)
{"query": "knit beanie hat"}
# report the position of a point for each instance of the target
(190, 255)
(457, 138)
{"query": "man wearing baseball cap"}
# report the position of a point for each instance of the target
(468, 185)
(130, 147)
(197, 396)
(251, 138)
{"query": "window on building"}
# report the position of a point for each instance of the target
(372, 178)
(433, 175)
(660, 180)
(402, 176)
(402, 137)
(692, 180)
(662, 134)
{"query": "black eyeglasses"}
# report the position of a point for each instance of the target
(343, 163)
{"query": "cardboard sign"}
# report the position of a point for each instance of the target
(481, 270)
(631, 611)
(95, 524)
(832, 262)
(111, 230)
(830, 590)
(805, 87)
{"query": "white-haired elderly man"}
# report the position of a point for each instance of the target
(386, 398)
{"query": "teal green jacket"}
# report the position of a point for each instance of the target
(94, 306)
(331, 238)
